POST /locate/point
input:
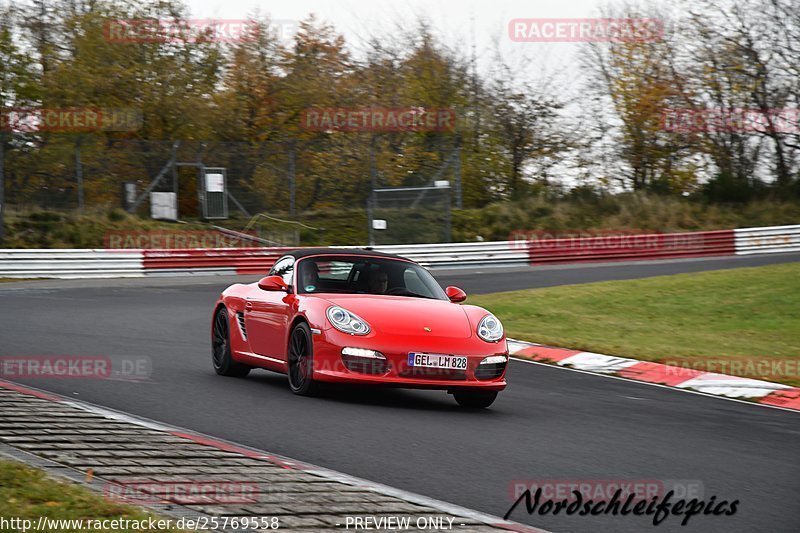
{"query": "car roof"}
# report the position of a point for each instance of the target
(357, 252)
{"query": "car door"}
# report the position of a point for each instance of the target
(267, 314)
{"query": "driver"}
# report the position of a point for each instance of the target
(309, 279)
(378, 281)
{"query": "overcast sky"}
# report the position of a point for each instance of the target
(459, 22)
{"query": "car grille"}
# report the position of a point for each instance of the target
(490, 371)
(240, 319)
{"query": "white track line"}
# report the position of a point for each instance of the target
(654, 385)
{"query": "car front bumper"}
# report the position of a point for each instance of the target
(394, 371)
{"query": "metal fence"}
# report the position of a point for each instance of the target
(287, 178)
(409, 214)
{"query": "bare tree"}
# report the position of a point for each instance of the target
(750, 59)
(636, 80)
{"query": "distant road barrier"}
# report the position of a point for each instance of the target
(209, 261)
(113, 263)
(462, 254)
(767, 240)
(74, 263)
(631, 247)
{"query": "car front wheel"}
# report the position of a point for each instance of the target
(301, 361)
(224, 365)
(475, 399)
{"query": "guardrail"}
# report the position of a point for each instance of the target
(768, 240)
(76, 263)
(496, 253)
(70, 263)
(632, 247)
(210, 261)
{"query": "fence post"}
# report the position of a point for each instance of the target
(448, 223)
(157, 179)
(291, 172)
(2, 186)
(370, 231)
(79, 172)
(373, 180)
(457, 172)
(175, 186)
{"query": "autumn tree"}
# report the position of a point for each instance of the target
(748, 55)
(17, 89)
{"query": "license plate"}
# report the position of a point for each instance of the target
(435, 360)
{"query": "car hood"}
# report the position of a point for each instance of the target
(402, 315)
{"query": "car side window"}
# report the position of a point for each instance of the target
(283, 267)
(413, 283)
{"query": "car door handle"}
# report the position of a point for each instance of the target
(248, 305)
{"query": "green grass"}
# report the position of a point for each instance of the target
(28, 493)
(730, 317)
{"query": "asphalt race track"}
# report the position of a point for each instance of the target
(550, 424)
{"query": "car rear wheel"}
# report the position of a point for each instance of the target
(223, 362)
(475, 399)
(301, 361)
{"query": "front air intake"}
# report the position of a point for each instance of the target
(490, 370)
(242, 327)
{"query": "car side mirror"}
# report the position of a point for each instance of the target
(273, 283)
(455, 294)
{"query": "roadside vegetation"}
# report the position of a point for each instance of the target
(521, 139)
(28, 493)
(744, 321)
(579, 211)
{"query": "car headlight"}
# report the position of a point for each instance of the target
(347, 322)
(490, 329)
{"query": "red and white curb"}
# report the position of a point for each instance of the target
(758, 391)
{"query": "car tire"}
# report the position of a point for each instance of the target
(475, 399)
(221, 357)
(300, 358)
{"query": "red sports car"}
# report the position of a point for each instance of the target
(359, 316)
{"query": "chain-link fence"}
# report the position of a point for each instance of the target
(284, 179)
(410, 215)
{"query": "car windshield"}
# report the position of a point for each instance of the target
(365, 275)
